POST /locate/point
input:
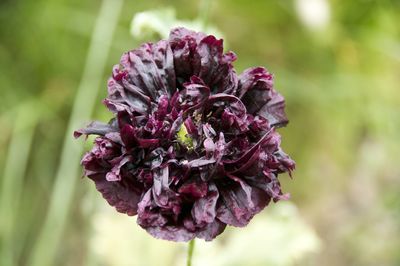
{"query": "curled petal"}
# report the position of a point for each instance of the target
(130, 139)
(254, 86)
(240, 202)
(115, 173)
(211, 230)
(194, 94)
(151, 68)
(122, 197)
(124, 96)
(204, 209)
(274, 110)
(163, 196)
(171, 233)
(257, 93)
(96, 128)
(200, 162)
(194, 189)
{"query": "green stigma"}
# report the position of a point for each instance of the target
(183, 137)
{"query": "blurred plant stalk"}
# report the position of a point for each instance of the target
(14, 171)
(48, 241)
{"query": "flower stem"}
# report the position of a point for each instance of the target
(190, 253)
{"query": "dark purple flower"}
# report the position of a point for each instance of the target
(192, 146)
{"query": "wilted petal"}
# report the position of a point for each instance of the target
(96, 128)
(211, 230)
(124, 96)
(180, 33)
(151, 68)
(254, 88)
(190, 126)
(194, 94)
(122, 197)
(204, 209)
(194, 188)
(131, 140)
(209, 146)
(163, 196)
(202, 56)
(257, 93)
(200, 162)
(115, 173)
(240, 202)
(171, 233)
(148, 214)
(214, 66)
(274, 110)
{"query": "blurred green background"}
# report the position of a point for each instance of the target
(336, 62)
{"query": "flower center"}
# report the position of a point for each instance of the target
(183, 137)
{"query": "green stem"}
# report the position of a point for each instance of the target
(190, 253)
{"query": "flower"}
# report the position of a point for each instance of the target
(192, 146)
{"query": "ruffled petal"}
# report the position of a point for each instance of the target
(256, 91)
(204, 209)
(151, 69)
(240, 202)
(118, 194)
